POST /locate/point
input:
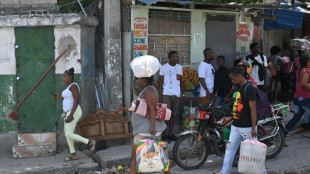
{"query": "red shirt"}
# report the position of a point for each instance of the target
(301, 92)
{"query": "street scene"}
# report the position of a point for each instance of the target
(154, 86)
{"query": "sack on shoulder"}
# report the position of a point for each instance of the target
(272, 69)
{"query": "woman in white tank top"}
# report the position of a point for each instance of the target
(73, 113)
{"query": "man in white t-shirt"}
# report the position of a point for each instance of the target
(259, 64)
(170, 89)
(206, 76)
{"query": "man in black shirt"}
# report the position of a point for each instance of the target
(222, 83)
(245, 116)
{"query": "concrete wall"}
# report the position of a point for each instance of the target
(280, 38)
(78, 31)
(113, 78)
(7, 77)
(15, 6)
(198, 35)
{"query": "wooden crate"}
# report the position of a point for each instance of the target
(104, 126)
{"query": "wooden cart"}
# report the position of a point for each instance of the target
(104, 126)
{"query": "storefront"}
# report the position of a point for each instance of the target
(159, 30)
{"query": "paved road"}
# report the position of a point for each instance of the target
(294, 159)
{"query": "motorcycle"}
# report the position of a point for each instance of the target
(270, 131)
(192, 148)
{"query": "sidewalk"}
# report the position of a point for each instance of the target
(292, 160)
(48, 165)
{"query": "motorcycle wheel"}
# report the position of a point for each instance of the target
(190, 154)
(274, 144)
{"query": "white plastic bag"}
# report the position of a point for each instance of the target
(252, 157)
(145, 66)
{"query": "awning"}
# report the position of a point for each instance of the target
(286, 18)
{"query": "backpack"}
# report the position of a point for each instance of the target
(263, 108)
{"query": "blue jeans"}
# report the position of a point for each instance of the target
(301, 107)
(237, 135)
(306, 118)
(218, 101)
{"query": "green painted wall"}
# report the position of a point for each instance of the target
(37, 113)
(7, 103)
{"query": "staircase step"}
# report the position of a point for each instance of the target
(32, 151)
(36, 138)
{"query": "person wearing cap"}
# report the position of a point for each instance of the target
(206, 76)
(247, 69)
(170, 89)
(144, 68)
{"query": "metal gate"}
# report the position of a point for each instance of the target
(34, 54)
(221, 37)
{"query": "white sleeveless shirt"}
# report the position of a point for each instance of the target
(68, 101)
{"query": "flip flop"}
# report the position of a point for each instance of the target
(92, 146)
(71, 158)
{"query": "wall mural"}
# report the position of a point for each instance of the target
(190, 82)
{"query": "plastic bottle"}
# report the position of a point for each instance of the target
(226, 134)
(284, 110)
(192, 122)
(192, 125)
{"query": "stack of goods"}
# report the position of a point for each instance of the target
(185, 118)
(300, 44)
(188, 119)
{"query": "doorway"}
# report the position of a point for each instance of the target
(221, 37)
(34, 54)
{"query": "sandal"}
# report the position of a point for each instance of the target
(92, 146)
(71, 158)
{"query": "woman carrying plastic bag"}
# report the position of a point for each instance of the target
(144, 68)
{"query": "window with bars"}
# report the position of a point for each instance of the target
(169, 30)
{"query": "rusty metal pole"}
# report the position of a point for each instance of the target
(14, 114)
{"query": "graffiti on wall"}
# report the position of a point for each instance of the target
(191, 83)
(140, 36)
(4, 60)
(243, 38)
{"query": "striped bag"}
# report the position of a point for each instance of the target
(152, 156)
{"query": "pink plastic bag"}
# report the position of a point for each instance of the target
(287, 65)
(140, 107)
